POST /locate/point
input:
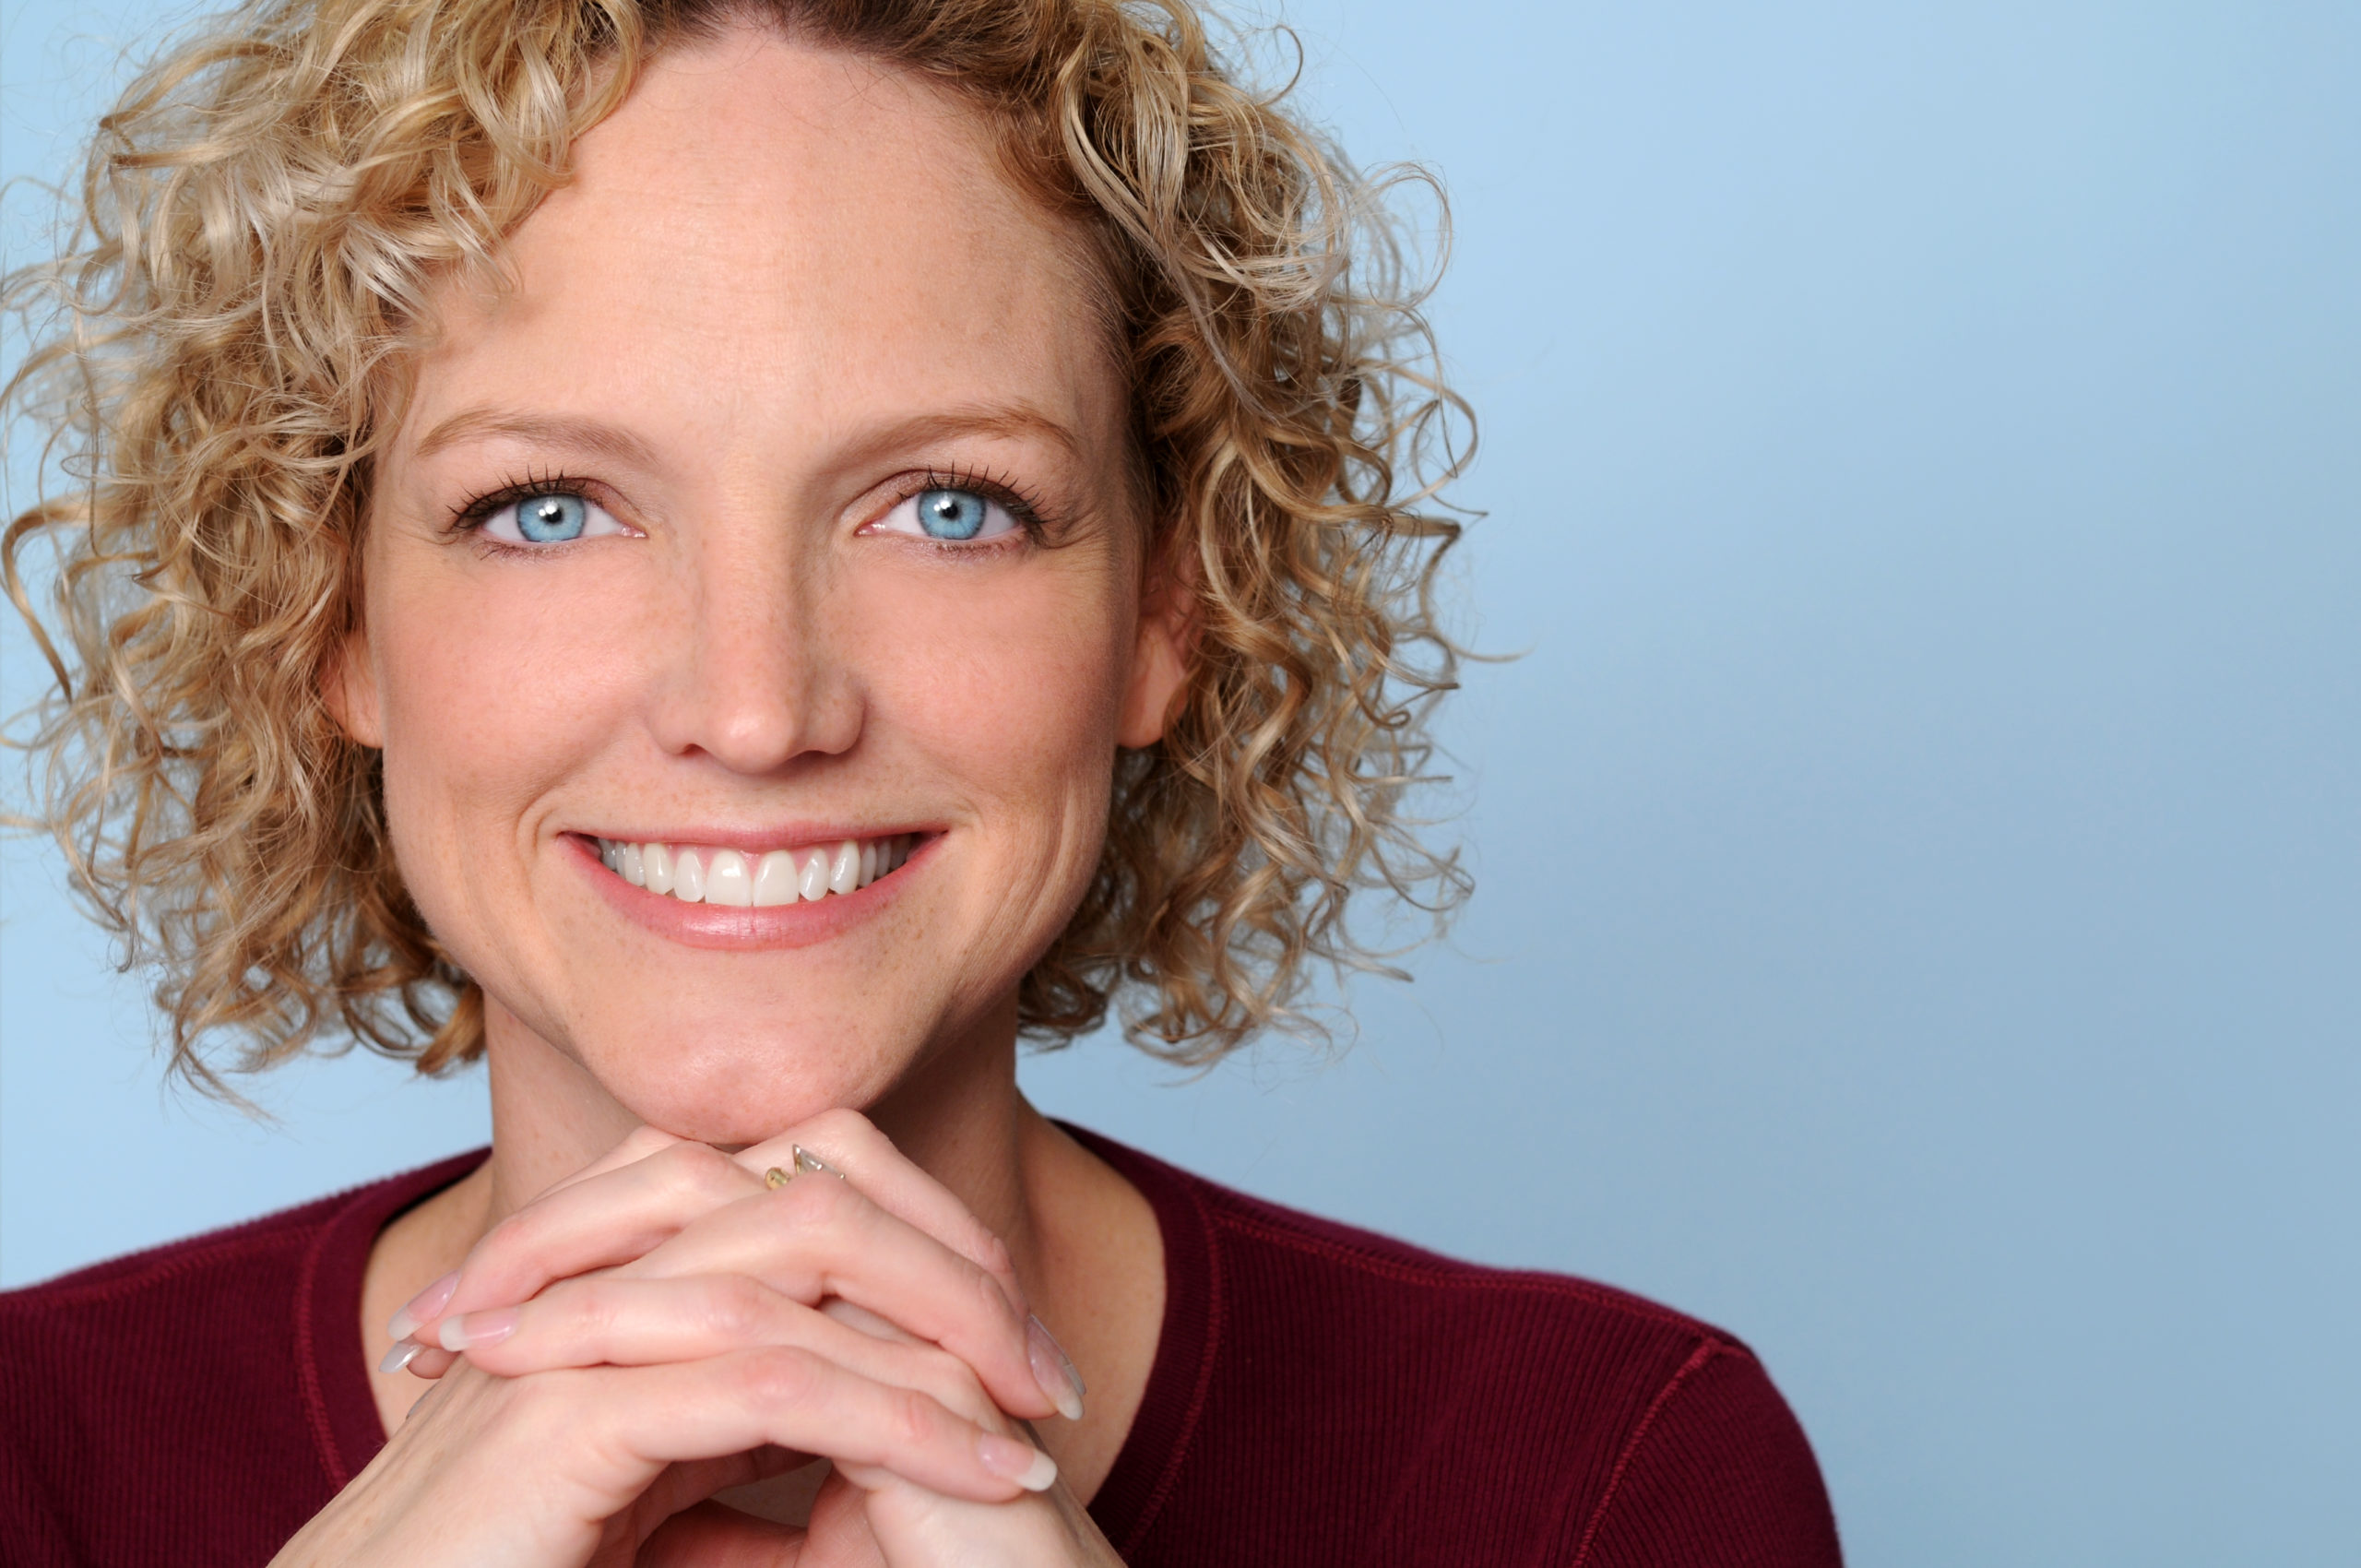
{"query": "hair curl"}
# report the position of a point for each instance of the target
(214, 360)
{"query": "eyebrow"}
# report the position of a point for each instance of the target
(594, 436)
(1007, 420)
(1011, 421)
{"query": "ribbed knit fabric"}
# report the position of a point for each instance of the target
(1320, 1395)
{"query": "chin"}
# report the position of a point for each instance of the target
(736, 1087)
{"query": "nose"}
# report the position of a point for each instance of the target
(756, 679)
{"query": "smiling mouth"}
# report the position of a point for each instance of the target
(701, 873)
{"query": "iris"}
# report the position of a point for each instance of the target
(951, 513)
(551, 519)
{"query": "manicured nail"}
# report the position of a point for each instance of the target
(470, 1329)
(1019, 1462)
(404, 1352)
(423, 1305)
(1054, 1369)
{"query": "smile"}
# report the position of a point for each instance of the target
(699, 874)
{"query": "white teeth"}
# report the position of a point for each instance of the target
(725, 881)
(702, 875)
(775, 880)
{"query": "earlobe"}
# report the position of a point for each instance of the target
(349, 687)
(1160, 657)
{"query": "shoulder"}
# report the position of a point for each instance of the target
(1508, 1414)
(178, 1374)
(126, 1289)
(249, 1277)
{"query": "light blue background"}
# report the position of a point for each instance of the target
(1920, 884)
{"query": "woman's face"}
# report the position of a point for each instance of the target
(783, 502)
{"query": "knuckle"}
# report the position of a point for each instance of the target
(508, 1254)
(993, 1256)
(596, 1303)
(781, 1375)
(839, 1123)
(643, 1141)
(695, 1169)
(913, 1420)
(994, 1303)
(521, 1232)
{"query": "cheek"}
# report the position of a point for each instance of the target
(1015, 690)
(489, 694)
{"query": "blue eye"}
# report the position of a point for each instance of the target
(949, 515)
(549, 519)
(556, 516)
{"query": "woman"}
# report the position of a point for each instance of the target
(729, 560)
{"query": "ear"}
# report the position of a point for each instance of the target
(349, 687)
(1160, 653)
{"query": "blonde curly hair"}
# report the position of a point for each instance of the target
(215, 359)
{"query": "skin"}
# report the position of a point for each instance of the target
(785, 287)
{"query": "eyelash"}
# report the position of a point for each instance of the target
(469, 517)
(1032, 526)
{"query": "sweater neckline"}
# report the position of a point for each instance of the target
(342, 1412)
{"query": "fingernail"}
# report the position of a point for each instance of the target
(1019, 1462)
(1054, 1369)
(470, 1330)
(404, 1352)
(423, 1305)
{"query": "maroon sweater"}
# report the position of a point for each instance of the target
(1320, 1395)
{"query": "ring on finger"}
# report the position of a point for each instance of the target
(805, 1163)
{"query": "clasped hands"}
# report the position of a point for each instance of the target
(665, 1326)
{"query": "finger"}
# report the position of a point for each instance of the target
(902, 1189)
(713, 1535)
(610, 1321)
(431, 1362)
(794, 1399)
(815, 1239)
(596, 1222)
(436, 1298)
(889, 1179)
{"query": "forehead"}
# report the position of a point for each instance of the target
(765, 225)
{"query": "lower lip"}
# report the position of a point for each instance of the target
(731, 929)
